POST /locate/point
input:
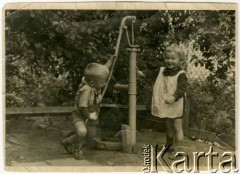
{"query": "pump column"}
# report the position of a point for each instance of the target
(132, 91)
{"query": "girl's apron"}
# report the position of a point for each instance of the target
(166, 86)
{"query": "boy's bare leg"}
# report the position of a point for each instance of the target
(79, 135)
(93, 133)
(81, 132)
(76, 140)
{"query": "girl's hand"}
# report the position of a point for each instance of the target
(93, 116)
(140, 73)
(169, 99)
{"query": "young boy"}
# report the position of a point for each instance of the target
(86, 108)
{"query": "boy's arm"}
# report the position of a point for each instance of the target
(83, 102)
(84, 112)
(110, 62)
(181, 86)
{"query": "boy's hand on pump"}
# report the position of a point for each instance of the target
(93, 116)
(169, 99)
(109, 63)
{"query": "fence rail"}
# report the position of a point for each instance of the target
(54, 111)
(66, 110)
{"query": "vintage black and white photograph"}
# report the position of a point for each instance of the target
(120, 90)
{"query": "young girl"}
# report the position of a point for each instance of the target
(168, 94)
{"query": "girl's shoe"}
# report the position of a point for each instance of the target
(170, 148)
(172, 154)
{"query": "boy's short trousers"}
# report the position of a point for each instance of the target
(76, 117)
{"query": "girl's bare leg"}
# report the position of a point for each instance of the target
(169, 131)
(178, 130)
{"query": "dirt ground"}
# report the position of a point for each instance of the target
(34, 142)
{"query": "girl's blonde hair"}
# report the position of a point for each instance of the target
(176, 49)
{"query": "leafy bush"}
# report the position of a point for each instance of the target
(46, 90)
(215, 109)
(47, 51)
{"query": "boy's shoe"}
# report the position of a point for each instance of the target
(68, 147)
(98, 144)
(78, 155)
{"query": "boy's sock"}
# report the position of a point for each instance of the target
(78, 154)
(70, 142)
(74, 139)
(68, 133)
(70, 139)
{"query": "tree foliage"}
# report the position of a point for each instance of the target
(47, 50)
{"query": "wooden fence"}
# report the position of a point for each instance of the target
(224, 140)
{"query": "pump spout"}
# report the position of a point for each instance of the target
(121, 29)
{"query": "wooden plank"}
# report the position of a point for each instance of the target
(202, 134)
(230, 140)
(55, 111)
(38, 111)
(225, 141)
(139, 107)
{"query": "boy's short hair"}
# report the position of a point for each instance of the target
(177, 49)
(94, 71)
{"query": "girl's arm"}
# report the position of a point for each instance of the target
(148, 73)
(140, 73)
(181, 86)
(181, 89)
